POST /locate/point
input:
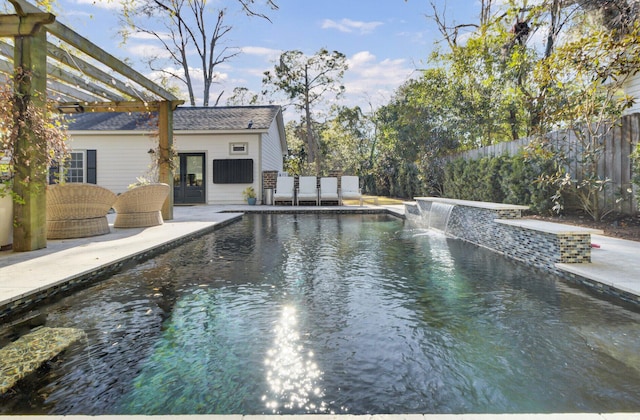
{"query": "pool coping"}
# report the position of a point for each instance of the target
(548, 227)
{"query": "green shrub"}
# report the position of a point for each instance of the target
(503, 179)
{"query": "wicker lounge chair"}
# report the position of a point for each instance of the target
(141, 206)
(77, 210)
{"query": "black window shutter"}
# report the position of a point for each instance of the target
(92, 169)
(54, 173)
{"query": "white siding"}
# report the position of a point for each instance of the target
(121, 158)
(272, 152)
(216, 146)
(632, 88)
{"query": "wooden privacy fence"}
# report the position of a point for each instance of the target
(614, 164)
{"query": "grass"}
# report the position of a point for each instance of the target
(375, 200)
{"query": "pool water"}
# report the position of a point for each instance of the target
(335, 314)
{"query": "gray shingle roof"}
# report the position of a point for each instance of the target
(187, 118)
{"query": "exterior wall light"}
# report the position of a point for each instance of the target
(74, 108)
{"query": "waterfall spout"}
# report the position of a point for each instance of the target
(439, 216)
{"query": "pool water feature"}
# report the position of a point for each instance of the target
(439, 216)
(335, 314)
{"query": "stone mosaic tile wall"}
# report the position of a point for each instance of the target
(509, 214)
(533, 247)
(575, 248)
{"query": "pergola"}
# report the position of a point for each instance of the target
(77, 76)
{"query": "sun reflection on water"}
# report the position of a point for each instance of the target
(292, 373)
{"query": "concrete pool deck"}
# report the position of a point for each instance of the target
(615, 263)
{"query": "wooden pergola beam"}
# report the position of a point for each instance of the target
(16, 25)
(110, 88)
(122, 106)
(100, 93)
(72, 92)
(94, 72)
(81, 43)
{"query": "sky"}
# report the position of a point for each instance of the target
(385, 41)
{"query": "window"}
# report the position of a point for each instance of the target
(74, 167)
(238, 148)
(80, 167)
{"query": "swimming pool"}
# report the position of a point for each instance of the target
(346, 314)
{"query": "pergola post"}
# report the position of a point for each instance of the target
(30, 180)
(165, 140)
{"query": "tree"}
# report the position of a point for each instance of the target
(349, 140)
(305, 81)
(501, 99)
(416, 129)
(242, 96)
(586, 76)
(183, 26)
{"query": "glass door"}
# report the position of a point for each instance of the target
(189, 179)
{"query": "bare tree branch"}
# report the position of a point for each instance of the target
(194, 28)
(450, 33)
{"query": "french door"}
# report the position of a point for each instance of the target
(189, 179)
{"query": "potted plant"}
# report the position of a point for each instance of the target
(250, 195)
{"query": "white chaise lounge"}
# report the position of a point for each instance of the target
(329, 190)
(307, 189)
(284, 190)
(350, 188)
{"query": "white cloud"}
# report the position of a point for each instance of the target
(144, 36)
(364, 65)
(261, 51)
(102, 4)
(147, 50)
(348, 26)
(373, 81)
(360, 59)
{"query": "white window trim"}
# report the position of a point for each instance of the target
(243, 146)
(63, 168)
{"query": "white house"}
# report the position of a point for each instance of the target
(221, 150)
